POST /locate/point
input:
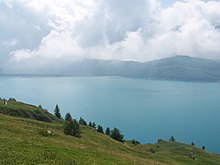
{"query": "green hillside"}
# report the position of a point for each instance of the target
(19, 109)
(26, 141)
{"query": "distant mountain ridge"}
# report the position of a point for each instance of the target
(182, 68)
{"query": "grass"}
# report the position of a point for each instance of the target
(19, 109)
(25, 141)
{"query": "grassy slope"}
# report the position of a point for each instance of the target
(23, 141)
(20, 109)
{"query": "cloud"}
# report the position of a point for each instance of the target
(65, 31)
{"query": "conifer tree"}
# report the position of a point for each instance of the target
(72, 128)
(172, 139)
(90, 124)
(57, 111)
(100, 129)
(82, 121)
(116, 134)
(107, 131)
(93, 125)
(68, 117)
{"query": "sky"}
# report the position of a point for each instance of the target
(38, 34)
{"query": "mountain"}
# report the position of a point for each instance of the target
(182, 68)
(26, 140)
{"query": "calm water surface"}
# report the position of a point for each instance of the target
(142, 109)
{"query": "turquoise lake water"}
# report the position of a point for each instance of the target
(142, 109)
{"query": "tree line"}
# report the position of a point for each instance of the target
(72, 126)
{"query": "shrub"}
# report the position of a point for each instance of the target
(152, 150)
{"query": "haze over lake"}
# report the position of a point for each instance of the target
(142, 109)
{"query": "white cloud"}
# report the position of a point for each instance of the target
(123, 30)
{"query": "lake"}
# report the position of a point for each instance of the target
(142, 109)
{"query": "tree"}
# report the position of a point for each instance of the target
(90, 124)
(72, 128)
(203, 147)
(57, 112)
(100, 129)
(68, 117)
(107, 131)
(135, 142)
(12, 99)
(93, 125)
(172, 139)
(40, 106)
(82, 121)
(116, 134)
(192, 144)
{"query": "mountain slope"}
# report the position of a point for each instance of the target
(25, 141)
(19, 109)
(181, 68)
(184, 68)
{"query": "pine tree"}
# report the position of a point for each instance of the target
(203, 147)
(57, 112)
(82, 121)
(100, 129)
(68, 117)
(93, 125)
(172, 139)
(90, 124)
(116, 134)
(192, 144)
(107, 131)
(72, 128)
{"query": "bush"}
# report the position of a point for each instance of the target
(72, 128)
(152, 150)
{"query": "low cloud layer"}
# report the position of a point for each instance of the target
(37, 34)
